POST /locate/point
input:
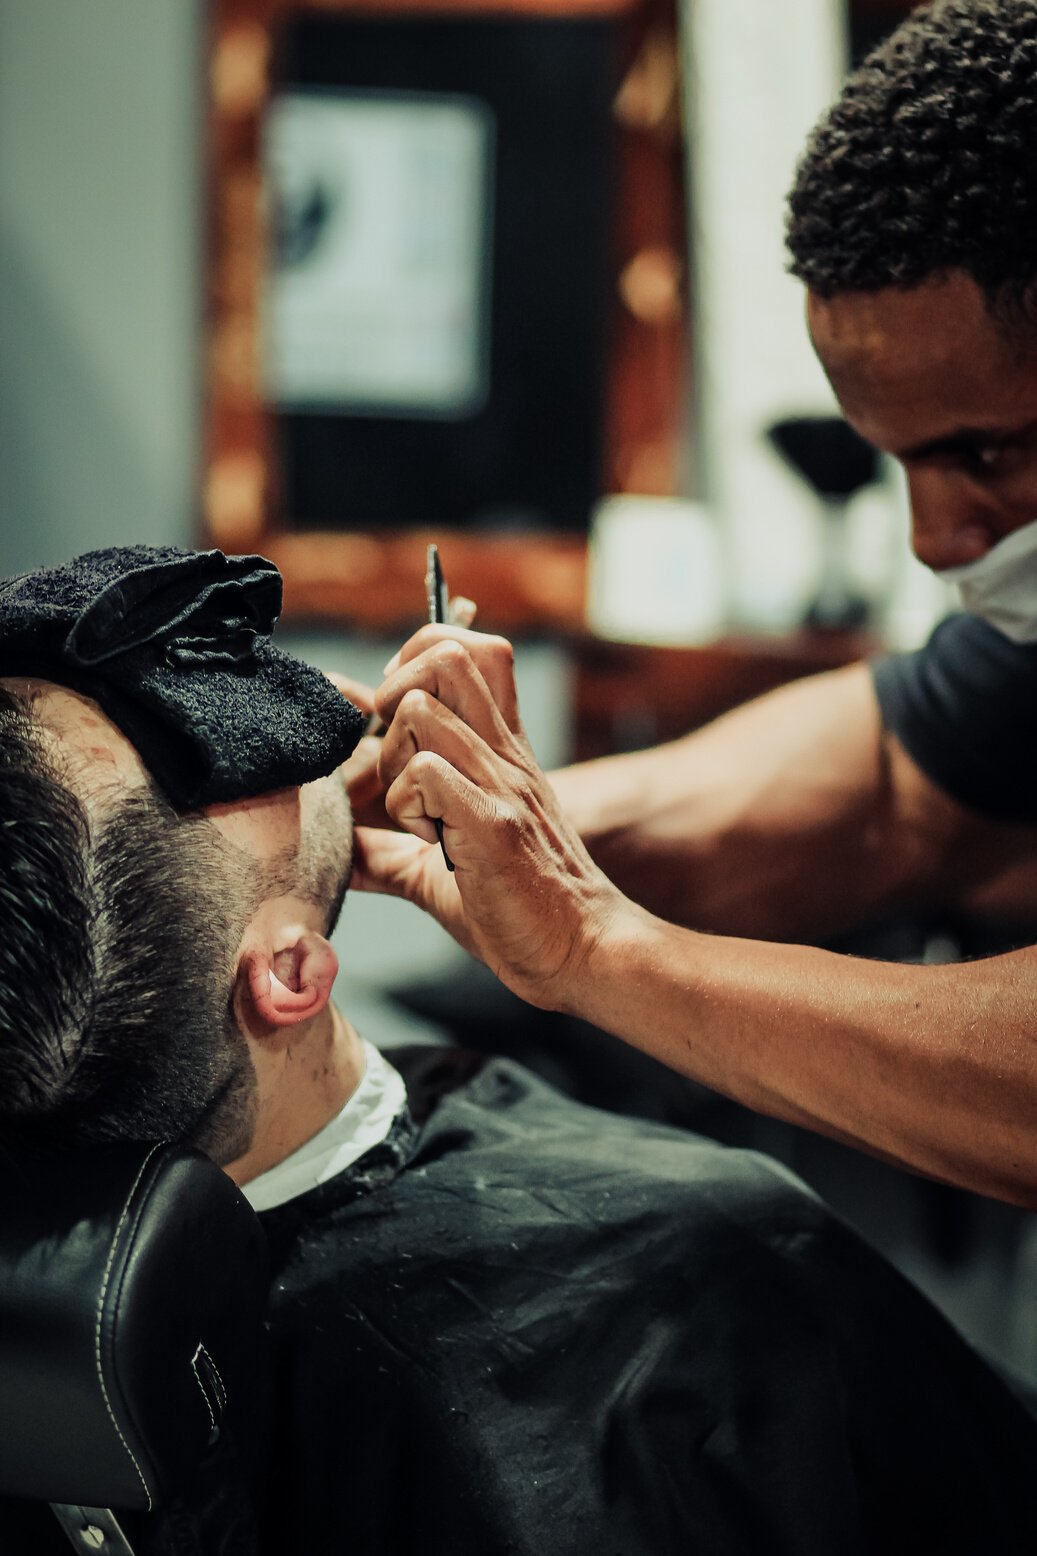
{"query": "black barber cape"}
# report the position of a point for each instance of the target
(525, 1326)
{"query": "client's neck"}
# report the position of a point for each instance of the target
(301, 1088)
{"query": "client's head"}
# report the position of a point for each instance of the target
(149, 959)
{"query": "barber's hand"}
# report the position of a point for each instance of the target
(525, 895)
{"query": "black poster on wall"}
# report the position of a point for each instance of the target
(435, 305)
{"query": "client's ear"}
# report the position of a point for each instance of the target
(285, 986)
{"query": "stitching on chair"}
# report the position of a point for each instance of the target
(222, 1387)
(199, 1350)
(100, 1311)
(198, 1379)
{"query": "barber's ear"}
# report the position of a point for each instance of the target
(286, 987)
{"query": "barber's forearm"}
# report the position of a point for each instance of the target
(934, 1068)
(775, 821)
(740, 882)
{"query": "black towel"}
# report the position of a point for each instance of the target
(175, 647)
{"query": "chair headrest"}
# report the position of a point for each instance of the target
(132, 1290)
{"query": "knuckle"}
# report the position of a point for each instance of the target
(423, 764)
(451, 654)
(525, 800)
(510, 819)
(502, 650)
(414, 704)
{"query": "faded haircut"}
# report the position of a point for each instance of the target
(118, 934)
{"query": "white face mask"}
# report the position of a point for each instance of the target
(1002, 586)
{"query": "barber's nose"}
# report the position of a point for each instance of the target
(948, 525)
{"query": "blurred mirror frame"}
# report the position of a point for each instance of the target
(525, 580)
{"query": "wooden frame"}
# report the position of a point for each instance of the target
(522, 583)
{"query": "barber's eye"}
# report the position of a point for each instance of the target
(984, 458)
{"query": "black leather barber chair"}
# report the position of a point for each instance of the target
(132, 1293)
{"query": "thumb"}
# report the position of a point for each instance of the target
(386, 862)
(397, 864)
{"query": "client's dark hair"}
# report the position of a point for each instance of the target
(117, 938)
(928, 162)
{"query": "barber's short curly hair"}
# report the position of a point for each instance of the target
(118, 933)
(928, 162)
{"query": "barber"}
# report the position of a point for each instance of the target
(798, 808)
(660, 895)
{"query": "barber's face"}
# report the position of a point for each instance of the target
(926, 376)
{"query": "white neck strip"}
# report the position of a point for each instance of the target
(364, 1121)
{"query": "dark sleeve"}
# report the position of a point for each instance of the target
(964, 709)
